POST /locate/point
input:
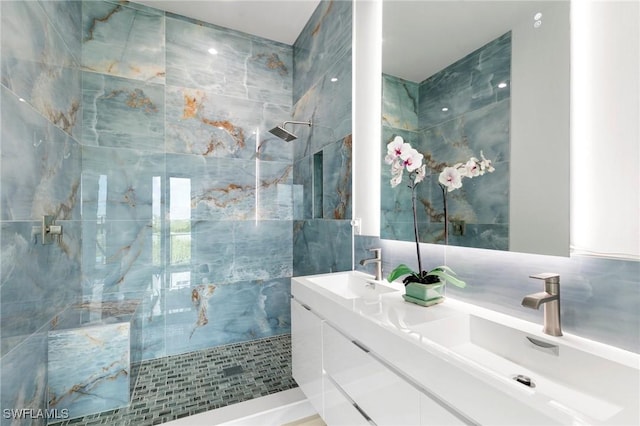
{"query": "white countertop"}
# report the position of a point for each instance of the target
(468, 377)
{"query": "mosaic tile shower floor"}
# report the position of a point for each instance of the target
(174, 387)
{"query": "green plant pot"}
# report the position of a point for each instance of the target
(424, 294)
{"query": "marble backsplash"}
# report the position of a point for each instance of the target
(600, 296)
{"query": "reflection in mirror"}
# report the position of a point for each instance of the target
(462, 116)
(448, 69)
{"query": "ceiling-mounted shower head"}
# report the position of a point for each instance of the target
(284, 134)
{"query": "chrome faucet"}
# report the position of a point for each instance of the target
(550, 298)
(377, 259)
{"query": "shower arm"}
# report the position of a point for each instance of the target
(308, 123)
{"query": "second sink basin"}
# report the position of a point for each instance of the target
(351, 285)
(568, 377)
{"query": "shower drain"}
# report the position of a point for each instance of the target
(525, 380)
(232, 371)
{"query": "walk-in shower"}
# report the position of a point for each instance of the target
(286, 135)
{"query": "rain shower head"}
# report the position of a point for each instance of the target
(284, 134)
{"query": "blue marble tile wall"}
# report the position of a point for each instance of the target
(155, 158)
(40, 168)
(600, 296)
(322, 94)
(476, 120)
(191, 198)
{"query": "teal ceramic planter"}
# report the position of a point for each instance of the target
(424, 294)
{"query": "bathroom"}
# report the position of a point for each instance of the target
(180, 208)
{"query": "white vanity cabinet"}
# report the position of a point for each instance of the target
(348, 384)
(306, 351)
(384, 396)
(363, 355)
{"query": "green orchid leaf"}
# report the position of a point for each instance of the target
(448, 278)
(444, 268)
(399, 271)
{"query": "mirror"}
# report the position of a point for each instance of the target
(461, 79)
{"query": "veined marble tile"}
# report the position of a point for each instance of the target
(124, 41)
(122, 113)
(234, 189)
(213, 258)
(121, 184)
(38, 66)
(337, 191)
(235, 312)
(246, 250)
(486, 129)
(484, 236)
(321, 246)
(89, 368)
(263, 250)
(24, 376)
(40, 165)
(66, 17)
(328, 105)
(243, 66)
(303, 188)
(399, 103)
(37, 281)
(324, 41)
(468, 84)
(211, 125)
(118, 256)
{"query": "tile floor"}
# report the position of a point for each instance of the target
(182, 385)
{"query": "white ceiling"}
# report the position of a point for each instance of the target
(422, 37)
(279, 20)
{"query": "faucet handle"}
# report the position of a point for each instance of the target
(377, 252)
(551, 281)
(547, 277)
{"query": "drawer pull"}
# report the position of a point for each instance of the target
(360, 345)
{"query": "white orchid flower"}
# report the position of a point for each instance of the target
(485, 165)
(421, 173)
(451, 178)
(396, 173)
(411, 158)
(394, 149)
(396, 179)
(472, 168)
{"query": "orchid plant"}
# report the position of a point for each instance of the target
(450, 179)
(401, 156)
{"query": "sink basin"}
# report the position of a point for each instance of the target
(566, 377)
(351, 285)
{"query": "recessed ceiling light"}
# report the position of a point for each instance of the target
(502, 85)
(212, 51)
(445, 109)
(334, 79)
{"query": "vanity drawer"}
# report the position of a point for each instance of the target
(380, 393)
(306, 353)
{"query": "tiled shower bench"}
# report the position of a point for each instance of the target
(92, 347)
